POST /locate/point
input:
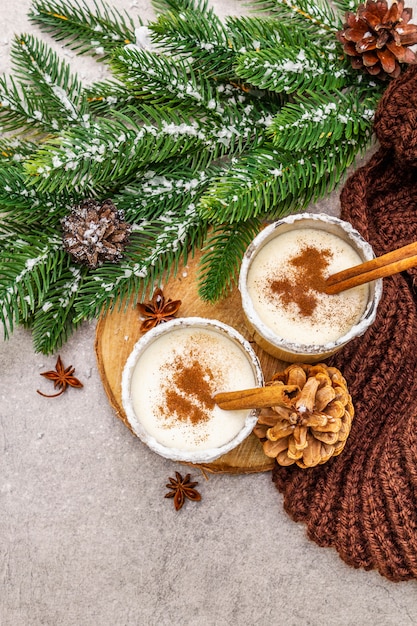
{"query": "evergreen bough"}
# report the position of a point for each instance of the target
(215, 128)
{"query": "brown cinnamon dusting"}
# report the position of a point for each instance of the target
(308, 280)
(190, 394)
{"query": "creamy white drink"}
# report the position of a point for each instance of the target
(173, 383)
(285, 283)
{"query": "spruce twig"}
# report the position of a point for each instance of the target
(213, 128)
(224, 247)
(97, 32)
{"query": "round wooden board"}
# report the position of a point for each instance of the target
(118, 331)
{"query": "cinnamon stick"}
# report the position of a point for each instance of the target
(386, 265)
(257, 398)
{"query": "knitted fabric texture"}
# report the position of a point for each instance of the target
(363, 503)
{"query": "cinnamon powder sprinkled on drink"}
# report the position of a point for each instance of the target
(189, 394)
(306, 281)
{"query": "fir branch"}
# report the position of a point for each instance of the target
(91, 159)
(21, 206)
(159, 79)
(50, 81)
(97, 32)
(39, 66)
(289, 70)
(94, 158)
(253, 33)
(248, 187)
(107, 96)
(154, 252)
(163, 190)
(14, 196)
(267, 183)
(311, 14)
(236, 150)
(242, 127)
(20, 109)
(320, 119)
(258, 33)
(54, 322)
(15, 150)
(47, 96)
(222, 256)
(196, 34)
(180, 5)
(28, 266)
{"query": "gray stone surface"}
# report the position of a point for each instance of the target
(87, 538)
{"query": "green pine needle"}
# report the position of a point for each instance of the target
(158, 79)
(90, 158)
(162, 6)
(27, 269)
(54, 323)
(108, 96)
(97, 32)
(163, 190)
(317, 120)
(290, 70)
(197, 34)
(222, 255)
(268, 183)
(311, 14)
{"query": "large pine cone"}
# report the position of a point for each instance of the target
(376, 37)
(314, 424)
(94, 233)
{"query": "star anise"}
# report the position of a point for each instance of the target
(182, 488)
(62, 377)
(158, 310)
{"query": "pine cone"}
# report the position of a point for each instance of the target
(377, 37)
(94, 233)
(314, 424)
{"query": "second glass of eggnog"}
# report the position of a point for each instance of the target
(169, 382)
(282, 282)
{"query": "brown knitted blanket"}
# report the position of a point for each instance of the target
(364, 502)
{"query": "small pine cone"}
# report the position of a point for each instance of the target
(315, 424)
(376, 38)
(95, 232)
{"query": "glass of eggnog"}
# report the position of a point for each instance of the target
(169, 382)
(282, 280)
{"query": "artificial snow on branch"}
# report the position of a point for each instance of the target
(205, 129)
